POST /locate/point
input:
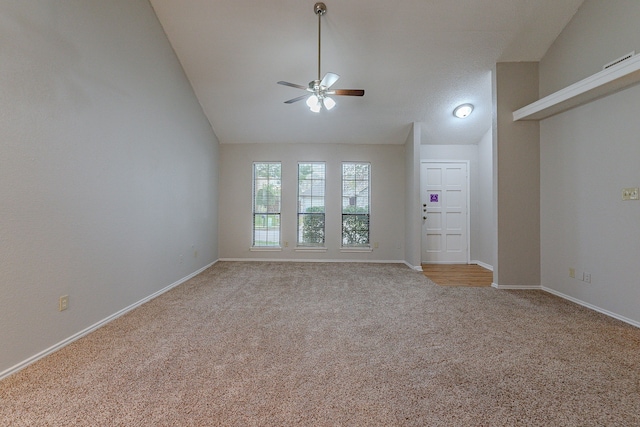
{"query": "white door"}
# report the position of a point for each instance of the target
(443, 193)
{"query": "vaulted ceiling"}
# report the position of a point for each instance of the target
(416, 60)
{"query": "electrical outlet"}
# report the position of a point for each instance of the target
(630, 193)
(375, 245)
(586, 277)
(572, 273)
(63, 303)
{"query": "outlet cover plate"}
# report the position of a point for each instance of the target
(630, 193)
(63, 303)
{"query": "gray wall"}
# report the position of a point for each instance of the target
(108, 173)
(517, 185)
(387, 198)
(600, 32)
(588, 155)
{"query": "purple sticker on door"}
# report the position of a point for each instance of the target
(433, 198)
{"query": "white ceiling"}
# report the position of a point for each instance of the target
(416, 60)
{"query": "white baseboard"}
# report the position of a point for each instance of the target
(517, 287)
(367, 261)
(95, 326)
(482, 264)
(414, 267)
(370, 261)
(592, 307)
(572, 299)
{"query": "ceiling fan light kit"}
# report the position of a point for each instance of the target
(320, 88)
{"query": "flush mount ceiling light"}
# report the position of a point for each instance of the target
(463, 111)
(320, 88)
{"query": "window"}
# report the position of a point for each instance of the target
(355, 204)
(311, 185)
(266, 204)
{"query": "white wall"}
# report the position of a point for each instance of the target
(588, 155)
(387, 198)
(482, 243)
(413, 210)
(108, 168)
(480, 191)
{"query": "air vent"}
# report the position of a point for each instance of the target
(619, 60)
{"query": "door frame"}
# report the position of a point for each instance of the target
(468, 163)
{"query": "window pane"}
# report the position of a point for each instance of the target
(311, 229)
(311, 189)
(266, 203)
(355, 204)
(355, 230)
(266, 230)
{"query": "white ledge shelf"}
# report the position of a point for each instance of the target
(600, 84)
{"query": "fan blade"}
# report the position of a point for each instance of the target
(293, 85)
(348, 92)
(329, 79)
(300, 98)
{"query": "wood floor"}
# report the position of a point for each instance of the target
(458, 274)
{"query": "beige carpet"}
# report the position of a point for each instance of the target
(303, 344)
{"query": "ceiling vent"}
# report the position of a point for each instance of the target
(619, 60)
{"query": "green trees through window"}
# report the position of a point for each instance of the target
(311, 211)
(267, 201)
(355, 204)
(267, 191)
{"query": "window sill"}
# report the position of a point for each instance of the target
(310, 249)
(355, 250)
(265, 249)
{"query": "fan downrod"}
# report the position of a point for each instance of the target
(319, 87)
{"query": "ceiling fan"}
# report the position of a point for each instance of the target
(320, 88)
